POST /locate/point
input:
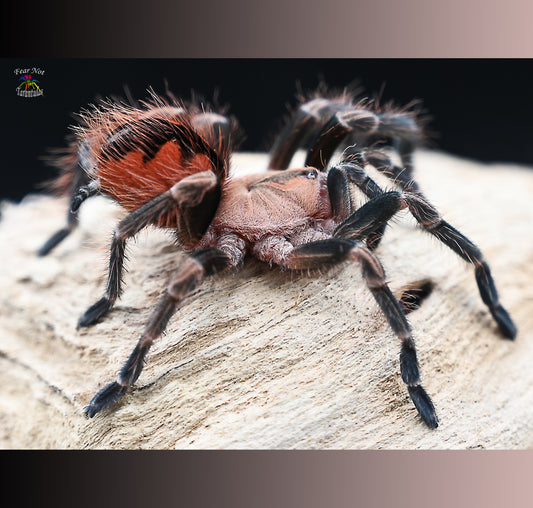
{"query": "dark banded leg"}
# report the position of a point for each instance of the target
(405, 133)
(371, 216)
(363, 127)
(290, 139)
(430, 220)
(303, 126)
(60, 235)
(318, 254)
(78, 189)
(378, 211)
(350, 171)
(84, 193)
(127, 228)
(191, 203)
(359, 123)
(188, 277)
(399, 175)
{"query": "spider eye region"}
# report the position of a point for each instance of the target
(311, 174)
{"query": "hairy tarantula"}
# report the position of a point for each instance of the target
(168, 165)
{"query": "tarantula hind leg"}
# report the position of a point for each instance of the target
(60, 235)
(187, 278)
(79, 193)
(82, 194)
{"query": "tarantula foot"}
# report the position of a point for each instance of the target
(424, 405)
(54, 240)
(505, 323)
(104, 398)
(94, 312)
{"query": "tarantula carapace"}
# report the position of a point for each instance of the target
(168, 165)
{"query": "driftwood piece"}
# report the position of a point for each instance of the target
(269, 359)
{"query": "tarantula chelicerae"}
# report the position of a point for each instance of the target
(168, 165)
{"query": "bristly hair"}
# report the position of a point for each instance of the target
(414, 109)
(99, 121)
(350, 95)
(63, 160)
(353, 95)
(198, 104)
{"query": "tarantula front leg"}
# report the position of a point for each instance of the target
(350, 171)
(190, 198)
(363, 126)
(127, 228)
(378, 211)
(310, 118)
(401, 176)
(318, 254)
(188, 277)
(293, 135)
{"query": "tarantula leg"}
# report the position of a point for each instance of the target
(83, 193)
(194, 198)
(356, 122)
(379, 210)
(429, 219)
(315, 255)
(188, 277)
(399, 175)
(60, 235)
(371, 216)
(127, 228)
(362, 126)
(290, 139)
(340, 197)
(307, 119)
(375, 278)
(79, 181)
(310, 119)
(197, 197)
(404, 131)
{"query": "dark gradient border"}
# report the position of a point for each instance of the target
(275, 479)
(240, 28)
(274, 28)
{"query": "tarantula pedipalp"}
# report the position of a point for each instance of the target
(168, 165)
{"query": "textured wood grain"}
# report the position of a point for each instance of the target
(269, 359)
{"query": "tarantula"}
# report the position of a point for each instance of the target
(168, 165)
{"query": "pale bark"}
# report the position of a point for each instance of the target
(269, 359)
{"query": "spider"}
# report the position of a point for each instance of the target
(168, 163)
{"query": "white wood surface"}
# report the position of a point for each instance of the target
(269, 359)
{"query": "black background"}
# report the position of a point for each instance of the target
(480, 109)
